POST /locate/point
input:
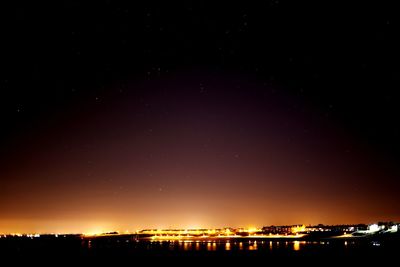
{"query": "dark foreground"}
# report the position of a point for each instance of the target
(76, 250)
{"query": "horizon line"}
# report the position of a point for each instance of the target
(118, 231)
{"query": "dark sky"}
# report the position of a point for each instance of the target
(119, 116)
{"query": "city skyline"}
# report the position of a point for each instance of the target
(273, 231)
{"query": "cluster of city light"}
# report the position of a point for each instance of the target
(375, 228)
(97, 233)
(20, 235)
(176, 234)
(199, 232)
(291, 231)
(33, 235)
(17, 234)
(298, 229)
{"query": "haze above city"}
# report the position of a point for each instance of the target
(122, 116)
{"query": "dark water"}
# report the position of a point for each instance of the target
(209, 252)
(270, 246)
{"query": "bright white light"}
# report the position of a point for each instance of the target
(373, 228)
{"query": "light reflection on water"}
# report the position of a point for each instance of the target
(227, 246)
(253, 246)
(187, 246)
(233, 245)
(211, 246)
(296, 245)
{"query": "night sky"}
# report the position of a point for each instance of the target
(121, 116)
